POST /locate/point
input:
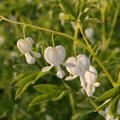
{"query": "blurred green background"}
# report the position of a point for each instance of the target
(45, 13)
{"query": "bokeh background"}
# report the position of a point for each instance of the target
(45, 13)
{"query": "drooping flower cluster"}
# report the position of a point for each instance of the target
(77, 66)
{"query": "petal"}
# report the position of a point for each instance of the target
(29, 40)
(89, 33)
(61, 53)
(97, 84)
(35, 54)
(71, 60)
(21, 46)
(70, 78)
(29, 58)
(51, 56)
(68, 64)
(60, 74)
(83, 82)
(84, 60)
(91, 75)
(25, 45)
(45, 69)
(90, 89)
(109, 117)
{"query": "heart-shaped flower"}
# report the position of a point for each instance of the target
(25, 47)
(81, 65)
(55, 57)
(88, 81)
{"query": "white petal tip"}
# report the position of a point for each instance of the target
(29, 58)
(97, 84)
(60, 74)
(45, 69)
(70, 78)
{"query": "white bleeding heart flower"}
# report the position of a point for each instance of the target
(25, 47)
(55, 57)
(81, 64)
(88, 81)
(89, 33)
(61, 19)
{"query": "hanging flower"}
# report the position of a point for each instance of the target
(88, 81)
(62, 21)
(25, 47)
(89, 33)
(55, 57)
(85, 71)
(81, 64)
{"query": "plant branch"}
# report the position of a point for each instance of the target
(88, 47)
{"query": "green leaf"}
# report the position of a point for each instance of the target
(26, 82)
(109, 94)
(40, 74)
(22, 89)
(92, 20)
(81, 113)
(26, 68)
(68, 7)
(104, 105)
(20, 76)
(113, 106)
(41, 99)
(26, 79)
(61, 95)
(68, 17)
(55, 92)
(48, 88)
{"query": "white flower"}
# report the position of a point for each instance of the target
(55, 57)
(25, 47)
(89, 33)
(81, 64)
(73, 25)
(2, 40)
(109, 117)
(85, 71)
(61, 19)
(88, 81)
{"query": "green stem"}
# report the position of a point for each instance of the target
(24, 32)
(71, 97)
(53, 40)
(70, 37)
(92, 103)
(76, 35)
(74, 42)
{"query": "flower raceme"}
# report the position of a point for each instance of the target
(25, 47)
(85, 71)
(55, 57)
